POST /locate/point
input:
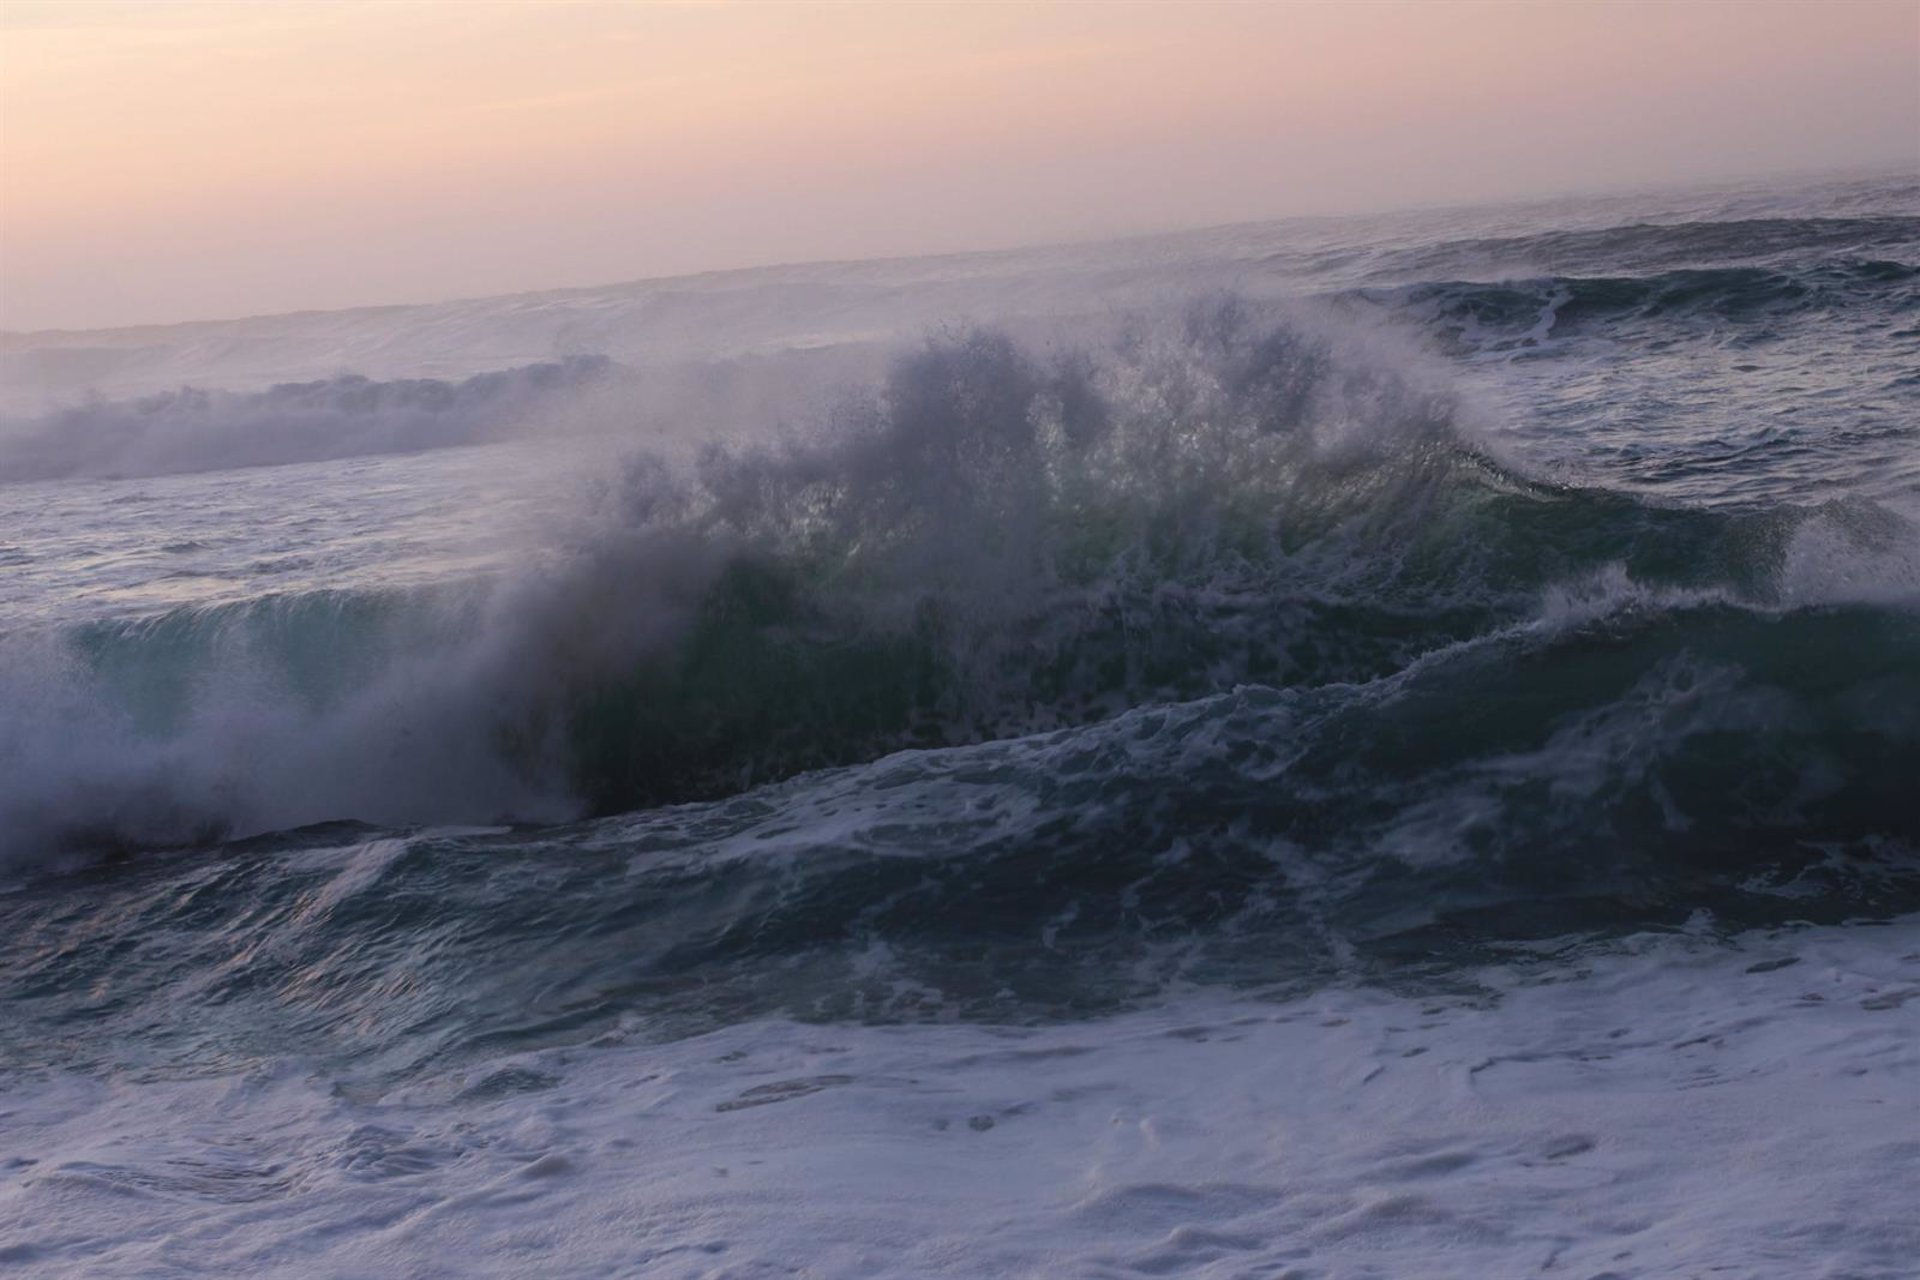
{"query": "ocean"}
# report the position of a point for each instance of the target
(1384, 747)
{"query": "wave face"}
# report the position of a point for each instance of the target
(1623, 770)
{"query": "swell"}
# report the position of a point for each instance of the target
(1536, 310)
(995, 543)
(1654, 248)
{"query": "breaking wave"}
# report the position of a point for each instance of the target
(1268, 529)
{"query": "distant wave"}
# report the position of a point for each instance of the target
(346, 416)
(1652, 247)
(1505, 315)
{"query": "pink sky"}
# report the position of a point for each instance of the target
(174, 161)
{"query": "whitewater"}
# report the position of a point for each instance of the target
(1342, 748)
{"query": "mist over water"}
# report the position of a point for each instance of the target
(1363, 642)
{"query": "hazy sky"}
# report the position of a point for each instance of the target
(193, 160)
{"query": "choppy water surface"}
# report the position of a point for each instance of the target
(1309, 777)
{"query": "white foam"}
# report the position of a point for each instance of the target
(1675, 1106)
(1855, 554)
